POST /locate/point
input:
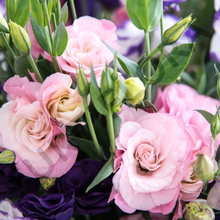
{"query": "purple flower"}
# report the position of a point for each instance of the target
(14, 184)
(167, 4)
(52, 207)
(2, 7)
(79, 178)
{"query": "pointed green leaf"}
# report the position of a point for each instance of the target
(39, 35)
(138, 13)
(207, 115)
(155, 9)
(129, 66)
(60, 40)
(106, 171)
(117, 123)
(21, 66)
(3, 29)
(49, 7)
(11, 8)
(64, 14)
(23, 12)
(85, 145)
(96, 95)
(174, 64)
(37, 12)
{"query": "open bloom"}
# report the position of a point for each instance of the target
(153, 153)
(62, 103)
(85, 46)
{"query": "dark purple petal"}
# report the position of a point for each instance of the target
(79, 178)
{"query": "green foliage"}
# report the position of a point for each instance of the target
(174, 64)
(22, 12)
(64, 14)
(37, 12)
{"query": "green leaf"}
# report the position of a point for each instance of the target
(96, 95)
(49, 7)
(85, 145)
(23, 12)
(21, 66)
(37, 12)
(147, 104)
(45, 67)
(207, 115)
(3, 29)
(130, 67)
(106, 171)
(138, 13)
(155, 10)
(39, 35)
(11, 8)
(117, 124)
(122, 91)
(174, 64)
(60, 40)
(64, 14)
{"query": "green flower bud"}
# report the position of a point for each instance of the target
(135, 90)
(198, 209)
(204, 168)
(47, 182)
(7, 156)
(107, 85)
(215, 126)
(82, 83)
(175, 32)
(20, 37)
(7, 36)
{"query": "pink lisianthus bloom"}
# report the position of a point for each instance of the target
(85, 46)
(40, 146)
(153, 152)
(63, 104)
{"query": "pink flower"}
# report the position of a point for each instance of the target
(182, 100)
(153, 153)
(85, 46)
(41, 148)
(62, 103)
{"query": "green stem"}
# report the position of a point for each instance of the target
(48, 20)
(9, 59)
(58, 11)
(148, 65)
(8, 46)
(73, 9)
(47, 40)
(110, 129)
(56, 66)
(33, 65)
(91, 128)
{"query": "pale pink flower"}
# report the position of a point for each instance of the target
(85, 46)
(62, 103)
(153, 152)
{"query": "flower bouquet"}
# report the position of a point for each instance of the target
(99, 118)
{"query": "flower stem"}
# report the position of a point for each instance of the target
(148, 69)
(56, 66)
(91, 128)
(8, 46)
(54, 22)
(110, 126)
(73, 9)
(33, 65)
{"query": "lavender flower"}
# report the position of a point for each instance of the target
(2, 7)
(56, 206)
(9, 211)
(78, 179)
(14, 184)
(174, 4)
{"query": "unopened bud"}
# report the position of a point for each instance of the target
(204, 168)
(198, 209)
(172, 34)
(107, 85)
(7, 36)
(20, 37)
(82, 83)
(7, 157)
(135, 90)
(47, 182)
(215, 126)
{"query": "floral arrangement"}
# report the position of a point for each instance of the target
(109, 117)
